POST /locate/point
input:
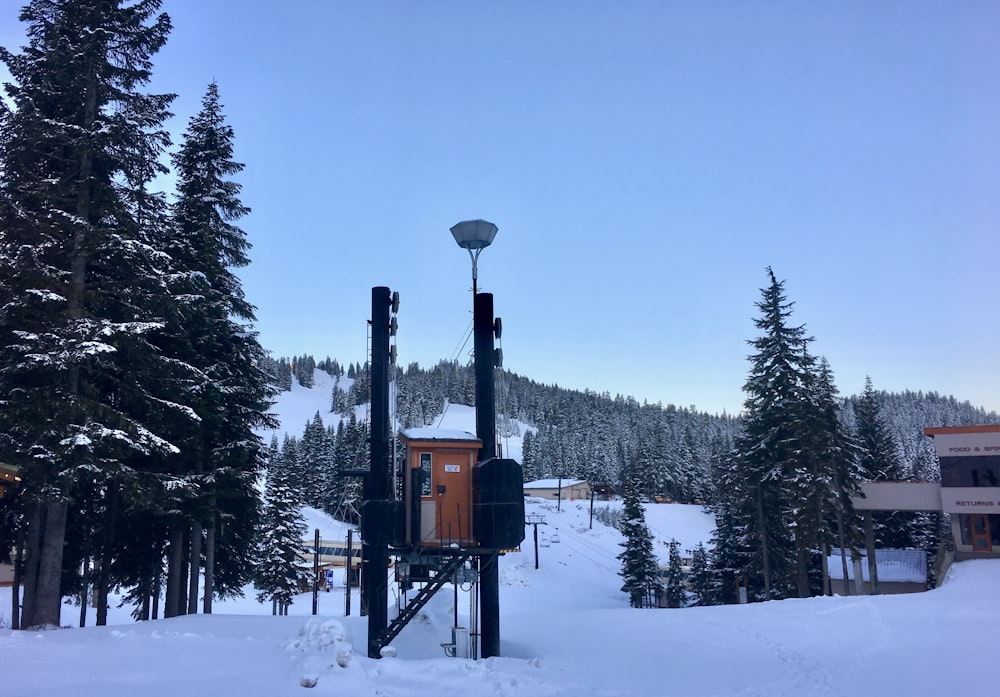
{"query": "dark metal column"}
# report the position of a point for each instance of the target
(378, 483)
(489, 574)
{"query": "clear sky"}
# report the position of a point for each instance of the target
(644, 161)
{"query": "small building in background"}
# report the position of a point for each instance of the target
(970, 486)
(550, 489)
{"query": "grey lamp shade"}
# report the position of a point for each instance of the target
(474, 234)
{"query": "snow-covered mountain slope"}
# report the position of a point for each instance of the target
(297, 407)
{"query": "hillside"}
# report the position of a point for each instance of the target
(558, 432)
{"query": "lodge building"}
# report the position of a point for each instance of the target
(969, 491)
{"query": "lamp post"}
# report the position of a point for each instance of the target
(474, 236)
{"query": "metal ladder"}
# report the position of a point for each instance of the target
(444, 575)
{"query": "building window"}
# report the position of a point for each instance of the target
(425, 474)
(971, 471)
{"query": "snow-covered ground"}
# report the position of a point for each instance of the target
(566, 630)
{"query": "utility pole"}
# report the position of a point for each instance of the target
(591, 507)
(315, 582)
(376, 523)
(485, 363)
(347, 572)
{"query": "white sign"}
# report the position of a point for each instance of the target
(970, 499)
(967, 444)
(452, 468)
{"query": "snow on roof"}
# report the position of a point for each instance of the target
(552, 483)
(894, 566)
(438, 434)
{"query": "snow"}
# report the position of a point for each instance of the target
(551, 483)
(566, 630)
(448, 434)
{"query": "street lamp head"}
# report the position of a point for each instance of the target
(474, 234)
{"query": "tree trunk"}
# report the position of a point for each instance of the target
(34, 519)
(103, 580)
(172, 604)
(764, 548)
(156, 597)
(192, 607)
(15, 594)
(42, 592)
(85, 588)
(801, 569)
(185, 566)
(843, 551)
(870, 546)
(209, 564)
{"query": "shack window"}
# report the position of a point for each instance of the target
(425, 474)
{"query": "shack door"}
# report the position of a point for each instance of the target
(451, 489)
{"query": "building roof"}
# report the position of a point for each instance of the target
(948, 430)
(439, 434)
(552, 483)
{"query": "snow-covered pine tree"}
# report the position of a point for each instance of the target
(280, 572)
(881, 460)
(214, 334)
(283, 375)
(317, 468)
(821, 483)
(639, 568)
(773, 432)
(675, 589)
(78, 270)
(701, 578)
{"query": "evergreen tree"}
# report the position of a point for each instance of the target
(772, 436)
(281, 573)
(639, 568)
(81, 281)
(702, 583)
(821, 483)
(231, 392)
(881, 461)
(675, 577)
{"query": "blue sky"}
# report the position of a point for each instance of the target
(644, 161)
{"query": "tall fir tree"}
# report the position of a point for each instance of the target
(213, 332)
(281, 574)
(675, 588)
(639, 568)
(770, 437)
(702, 583)
(881, 461)
(821, 484)
(78, 377)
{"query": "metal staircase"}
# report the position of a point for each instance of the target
(444, 574)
